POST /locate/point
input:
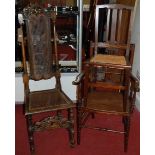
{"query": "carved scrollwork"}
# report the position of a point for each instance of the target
(51, 123)
(35, 10)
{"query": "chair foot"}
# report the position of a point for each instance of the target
(126, 134)
(30, 134)
(71, 138)
(72, 145)
(78, 136)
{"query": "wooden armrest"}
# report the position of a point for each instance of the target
(78, 79)
(134, 83)
(134, 87)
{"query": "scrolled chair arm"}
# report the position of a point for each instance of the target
(134, 88)
(78, 79)
(79, 83)
(134, 83)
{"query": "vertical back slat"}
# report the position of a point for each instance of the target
(119, 25)
(108, 24)
(113, 25)
(129, 33)
(96, 28)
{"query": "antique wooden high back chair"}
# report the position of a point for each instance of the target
(43, 65)
(107, 85)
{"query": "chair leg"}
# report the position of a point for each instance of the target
(71, 127)
(78, 126)
(30, 134)
(78, 136)
(92, 115)
(126, 134)
(123, 120)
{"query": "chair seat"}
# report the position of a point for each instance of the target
(109, 59)
(106, 102)
(48, 100)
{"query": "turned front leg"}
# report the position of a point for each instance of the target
(30, 134)
(71, 127)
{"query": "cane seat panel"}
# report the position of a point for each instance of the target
(47, 100)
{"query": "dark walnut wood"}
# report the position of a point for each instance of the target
(107, 86)
(43, 64)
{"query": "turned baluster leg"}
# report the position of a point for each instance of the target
(71, 127)
(126, 134)
(30, 134)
